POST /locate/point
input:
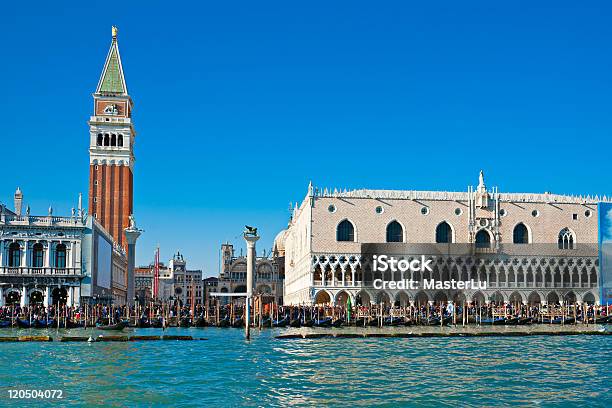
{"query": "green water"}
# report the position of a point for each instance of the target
(225, 370)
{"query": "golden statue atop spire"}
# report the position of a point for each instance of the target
(115, 30)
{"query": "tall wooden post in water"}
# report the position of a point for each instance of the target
(251, 237)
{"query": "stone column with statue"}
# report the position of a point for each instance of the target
(251, 237)
(131, 235)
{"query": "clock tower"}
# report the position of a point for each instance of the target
(111, 149)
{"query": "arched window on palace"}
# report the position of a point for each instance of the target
(14, 255)
(444, 233)
(113, 140)
(520, 234)
(483, 239)
(37, 256)
(106, 139)
(345, 231)
(60, 256)
(395, 232)
(566, 239)
(100, 139)
(120, 140)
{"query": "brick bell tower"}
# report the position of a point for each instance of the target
(111, 149)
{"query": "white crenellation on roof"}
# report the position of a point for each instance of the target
(456, 196)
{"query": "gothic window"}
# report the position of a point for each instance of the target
(120, 141)
(14, 255)
(60, 256)
(100, 139)
(345, 231)
(395, 232)
(444, 233)
(483, 239)
(106, 139)
(566, 239)
(521, 234)
(37, 256)
(113, 140)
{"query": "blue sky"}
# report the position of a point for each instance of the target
(399, 95)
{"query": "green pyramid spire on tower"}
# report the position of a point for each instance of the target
(112, 81)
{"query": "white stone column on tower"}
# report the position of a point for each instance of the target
(1, 253)
(131, 235)
(251, 237)
(48, 301)
(1, 296)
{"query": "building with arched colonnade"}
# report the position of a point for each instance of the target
(528, 248)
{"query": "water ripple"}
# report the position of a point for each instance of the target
(226, 370)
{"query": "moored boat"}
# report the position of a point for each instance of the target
(23, 324)
(239, 322)
(143, 323)
(324, 322)
(393, 321)
(495, 321)
(43, 323)
(117, 326)
(337, 323)
(512, 321)
(281, 322)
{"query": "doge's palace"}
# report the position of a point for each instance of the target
(529, 248)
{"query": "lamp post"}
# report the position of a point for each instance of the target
(251, 237)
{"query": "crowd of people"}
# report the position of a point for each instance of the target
(97, 313)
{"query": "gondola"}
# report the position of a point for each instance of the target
(281, 323)
(562, 320)
(185, 322)
(600, 320)
(265, 322)
(225, 322)
(5, 323)
(71, 324)
(525, 320)
(324, 322)
(143, 323)
(157, 323)
(201, 322)
(295, 323)
(393, 321)
(435, 321)
(512, 321)
(308, 323)
(373, 322)
(493, 321)
(117, 326)
(360, 322)
(24, 324)
(238, 323)
(337, 323)
(44, 323)
(409, 322)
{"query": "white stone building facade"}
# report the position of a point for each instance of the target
(529, 248)
(40, 257)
